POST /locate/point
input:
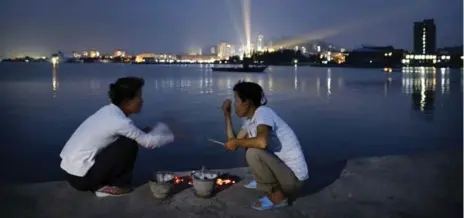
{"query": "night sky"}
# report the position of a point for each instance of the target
(41, 27)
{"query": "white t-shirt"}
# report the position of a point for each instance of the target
(283, 141)
(100, 130)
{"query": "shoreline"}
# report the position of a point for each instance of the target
(419, 185)
(302, 64)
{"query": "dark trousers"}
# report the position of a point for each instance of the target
(113, 166)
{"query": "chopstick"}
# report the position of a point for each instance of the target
(217, 142)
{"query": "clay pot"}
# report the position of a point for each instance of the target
(161, 184)
(204, 183)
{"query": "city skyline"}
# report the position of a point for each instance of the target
(170, 27)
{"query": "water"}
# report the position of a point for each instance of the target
(337, 114)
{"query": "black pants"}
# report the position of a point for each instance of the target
(113, 166)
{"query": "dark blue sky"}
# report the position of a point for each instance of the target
(44, 26)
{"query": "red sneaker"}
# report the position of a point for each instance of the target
(106, 191)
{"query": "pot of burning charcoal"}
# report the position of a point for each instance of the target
(204, 182)
(161, 184)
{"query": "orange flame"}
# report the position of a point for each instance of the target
(178, 180)
(220, 181)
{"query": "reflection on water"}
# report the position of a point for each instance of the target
(357, 105)
(420, 83)
(387, 85)
(445, 80)
(55, 81)
(340, 82)
(270, 83)
(209, 82)
(295, 78)
(206, 82)
(329, 81)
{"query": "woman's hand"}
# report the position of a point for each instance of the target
(226, 107)
(231, 145)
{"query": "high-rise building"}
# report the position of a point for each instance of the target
(224, 50)
(213, 50)
(259, 43)
(221, 49)
(425, 37)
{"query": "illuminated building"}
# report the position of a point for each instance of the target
(425, 37)
(225, 50)
(196, 58)
(221, 49)
(379, 56)
(259, 43)
(76, 55)
(213, 50)
(119, 53)
(151, 57)
(93, 54)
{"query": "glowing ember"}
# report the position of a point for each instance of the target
(178, 180)
(220, 181)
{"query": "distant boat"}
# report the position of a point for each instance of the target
(260, 69)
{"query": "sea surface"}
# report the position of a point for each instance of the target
(337, 113)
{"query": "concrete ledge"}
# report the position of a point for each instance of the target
(422, 185)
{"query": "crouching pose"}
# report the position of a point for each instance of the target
(100, 155)
(273, 151)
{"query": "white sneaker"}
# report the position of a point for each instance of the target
(251, 185)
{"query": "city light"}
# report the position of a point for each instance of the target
(351, 26)
(54, 60)
(246, 8)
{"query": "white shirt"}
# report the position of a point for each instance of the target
(100, 130)
(283, 141)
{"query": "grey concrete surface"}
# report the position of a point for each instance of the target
(420, 185)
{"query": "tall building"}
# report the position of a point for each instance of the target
(213, 50)
(224, 50)
(259, 43)
(425, 37)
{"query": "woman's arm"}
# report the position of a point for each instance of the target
(260, 141)
(242, 134)
(156, 137)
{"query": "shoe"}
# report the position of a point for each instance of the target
(251, 185)
(266, 204)
(106, 191)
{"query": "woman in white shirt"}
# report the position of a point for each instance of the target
(273, 152)
(100, 155)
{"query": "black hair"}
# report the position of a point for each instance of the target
(250, 91)
(125, 88)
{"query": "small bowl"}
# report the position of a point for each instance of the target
(204, 183)
(161, 184)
